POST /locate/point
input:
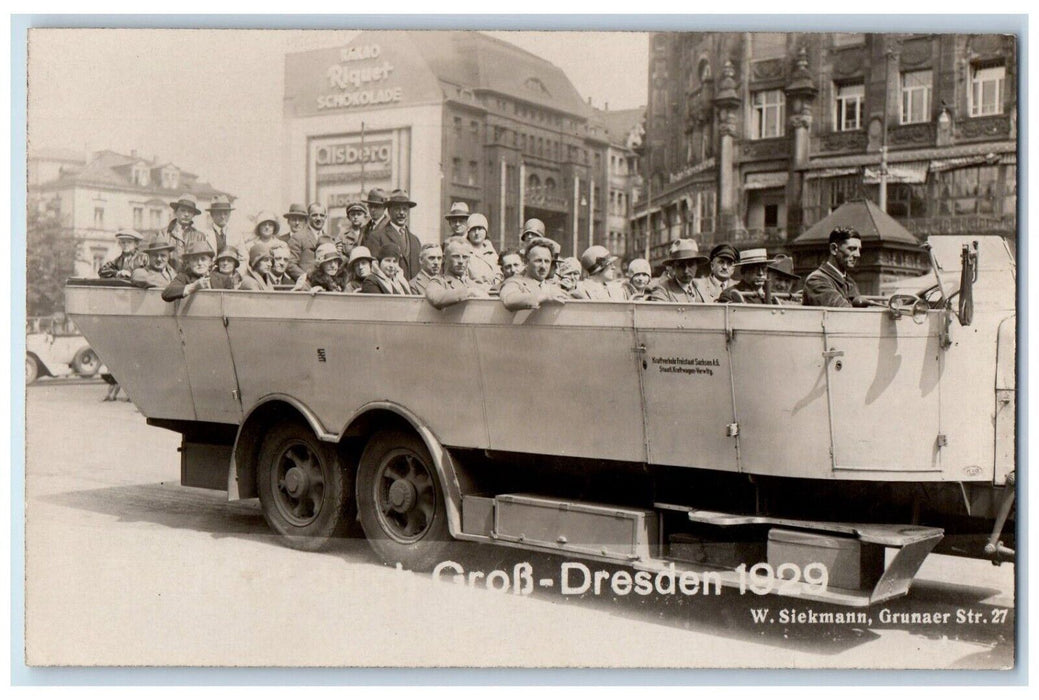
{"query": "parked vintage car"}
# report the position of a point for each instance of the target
(54, 347)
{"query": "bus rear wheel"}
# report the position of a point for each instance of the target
(305, 493)
(400, 501)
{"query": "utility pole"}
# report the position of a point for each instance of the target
(362, 160)
(883, 138)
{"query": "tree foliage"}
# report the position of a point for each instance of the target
(50, 257)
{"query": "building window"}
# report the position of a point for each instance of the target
(99, 217)
(156, 218)
(474, 172)
(768, 114)
(848, 115)
(968, 191)
(138, 218)
(458, 125)
(905, 201)
(97, 255)
(456, 170)
(475, 128)
(916, 97)
(986, 90)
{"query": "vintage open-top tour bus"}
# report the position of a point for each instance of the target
(711, 438)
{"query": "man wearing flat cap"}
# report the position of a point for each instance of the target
(397, 233)
(678, 283)
(378, 217)
(129, 258)
(357, 216)
(723, 259)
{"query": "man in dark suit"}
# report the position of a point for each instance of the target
(378, 218)
(831, 284)
(397, 233)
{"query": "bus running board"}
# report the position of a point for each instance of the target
(912, 544)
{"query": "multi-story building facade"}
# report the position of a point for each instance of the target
(95, 197)
(753, 137)
(451, 117)
(624, 130)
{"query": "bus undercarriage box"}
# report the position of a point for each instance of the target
(850, 563)
(204, 465)
(724, 555)
(617, 532)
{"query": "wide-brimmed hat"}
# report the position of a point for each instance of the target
(639, 266)
(376, 196)
(596, 259)
(724, 250)
(267, 216)
(533, 226)
(229, 252)
(685, 249)
(400, 197)
(783, 265)
(388, 250)
(128, 233)
(296, 210)
(196, 248)
(326, 252)
(360, 253)
(186, 200)
(754, 256)
(221, 202)
(356, 206)
(476, 221)
(158, 243)
(459, 210)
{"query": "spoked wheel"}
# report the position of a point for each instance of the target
(400, 501)
(304, 490)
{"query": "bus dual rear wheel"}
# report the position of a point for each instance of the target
(400, 501)
(305, 494)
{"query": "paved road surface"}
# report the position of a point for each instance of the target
(126, 567)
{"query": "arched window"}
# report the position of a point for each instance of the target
(533, 182)
(550, 185)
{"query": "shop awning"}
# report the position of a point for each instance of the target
(764, 181)
(909, 173)
(938, 166)
(830, 172)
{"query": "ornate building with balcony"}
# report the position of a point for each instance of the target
(754, 137)
(94, 197)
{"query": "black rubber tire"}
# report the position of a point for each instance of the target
(325, 505)
(32, 370)
(86, 362)
(418, 551)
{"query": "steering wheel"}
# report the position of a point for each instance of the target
(908, 305)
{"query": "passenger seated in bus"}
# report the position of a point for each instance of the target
(386, 277)
(455, 284)
(753, 287)
(678, 283)
(358, 268)
(129, 258)
(783, 281)
(532, 288)
(326, 275)
(194, 275)
(600, 283)
(511, 263)
(256, 277)
(831, 284)
(357, 216)
(264, 231)
(723, 259)
(566, 272)
(483, 265)
(158, 272)
(226, 274)
(430, 262)
(639, 274)
(279, 274)
(535, 228)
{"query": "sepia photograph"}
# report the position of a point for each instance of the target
(476, 348)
